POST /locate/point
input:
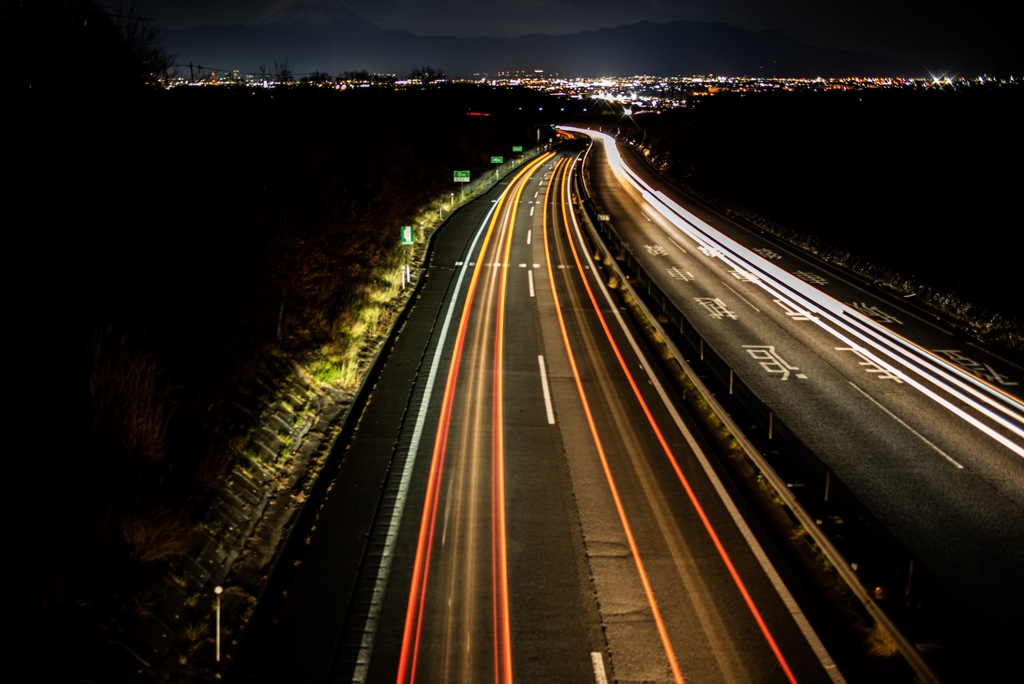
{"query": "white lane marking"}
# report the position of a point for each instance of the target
(531, 211)
(912, 430)
(678, 246)
(645, 216)
(544, 386)
(529, 236)
(745, 300)
(598, 662)
(529, 275)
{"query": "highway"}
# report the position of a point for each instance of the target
(926, 429)
(521, 499)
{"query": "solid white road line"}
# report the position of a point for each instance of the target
(598, 662)
(547, 394)
(912, 430)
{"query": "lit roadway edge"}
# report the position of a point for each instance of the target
(502, 665)
(989, 409)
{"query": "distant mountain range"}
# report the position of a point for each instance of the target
(326, 37)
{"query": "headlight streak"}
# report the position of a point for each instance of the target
(907, 352)
(861, 334)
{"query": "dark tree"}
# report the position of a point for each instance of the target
(427, 75)
(283, 73)
(66, 44)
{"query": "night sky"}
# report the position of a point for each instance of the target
(936, 34)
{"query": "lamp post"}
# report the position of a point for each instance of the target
(217, 591)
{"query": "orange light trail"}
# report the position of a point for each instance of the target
(641, 570)
(412, 631)
(723, 554)
(502, 622)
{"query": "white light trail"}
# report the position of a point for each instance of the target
(943, 382)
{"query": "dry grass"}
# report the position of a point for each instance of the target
(162, 534)
(131, 402)
(880, 644)
(389, 287)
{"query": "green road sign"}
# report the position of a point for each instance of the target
(462, 176)
(517, 148)
(408, 237)
(497, 160)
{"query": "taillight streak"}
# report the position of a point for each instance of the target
(723, 554)
(412, 631)
(599, 446)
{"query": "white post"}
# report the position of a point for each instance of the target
(217, 591)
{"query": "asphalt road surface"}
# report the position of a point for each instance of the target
(520, 501)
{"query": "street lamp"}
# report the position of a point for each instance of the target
(217, 591)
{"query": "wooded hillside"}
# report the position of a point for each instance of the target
(168, 247)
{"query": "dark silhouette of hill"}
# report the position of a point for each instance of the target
(66, 44)
(674, 48)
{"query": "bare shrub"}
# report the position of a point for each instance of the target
(130, 402)
(160, 534)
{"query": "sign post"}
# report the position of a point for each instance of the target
(462, 177)
(499, 161)
(408, 239)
